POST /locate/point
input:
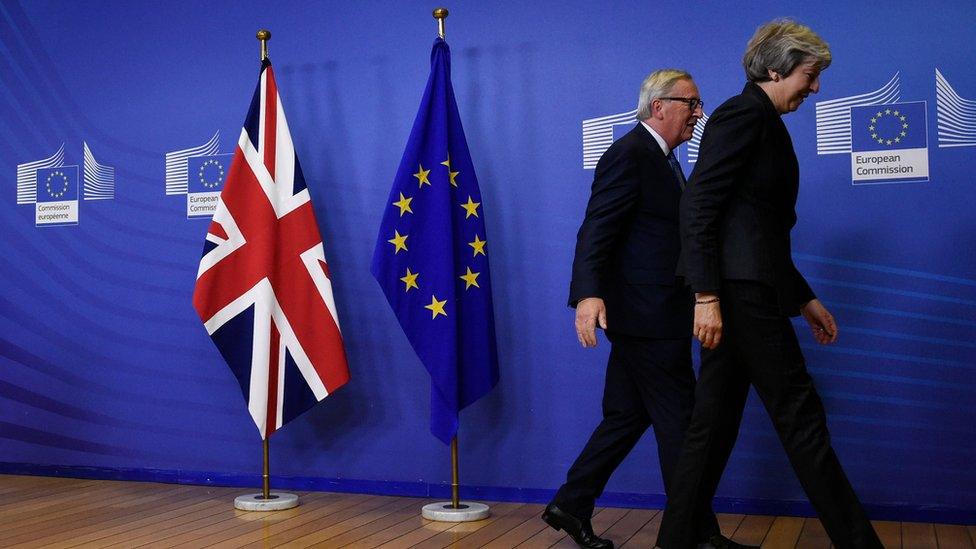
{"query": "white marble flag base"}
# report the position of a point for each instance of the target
(255, 502)
(467, 512)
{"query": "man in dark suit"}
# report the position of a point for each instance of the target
(736, 218)
(624, 281)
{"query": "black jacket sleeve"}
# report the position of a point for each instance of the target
(613, 199)
(801, 290)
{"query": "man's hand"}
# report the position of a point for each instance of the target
(820, 321)
(589, 312)
(708, 320)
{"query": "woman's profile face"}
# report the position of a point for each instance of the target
(793, 89)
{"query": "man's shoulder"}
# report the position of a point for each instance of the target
(628, 148)
(634, 143)
(637, 136)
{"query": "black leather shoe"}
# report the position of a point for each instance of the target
(718, 541)
(580, 530)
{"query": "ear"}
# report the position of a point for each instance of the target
(656, 106)
(773, 75)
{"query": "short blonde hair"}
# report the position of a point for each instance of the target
(780, 46)
(657, 84)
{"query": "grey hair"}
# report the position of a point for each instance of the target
(780, 46)
(657, 84)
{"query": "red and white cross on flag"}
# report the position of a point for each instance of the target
(263, 289)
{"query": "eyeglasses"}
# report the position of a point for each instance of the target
(692, 102)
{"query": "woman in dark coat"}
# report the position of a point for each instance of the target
(736, 217)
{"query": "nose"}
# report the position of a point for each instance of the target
(815, 85)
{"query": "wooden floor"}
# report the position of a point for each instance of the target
(57, 512)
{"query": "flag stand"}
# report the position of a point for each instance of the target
(455, 510)
(266, 500)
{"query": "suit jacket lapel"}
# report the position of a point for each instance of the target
(657, 155)
(648, 140)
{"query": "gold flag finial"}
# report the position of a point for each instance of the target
(264, 35)
(440, 14)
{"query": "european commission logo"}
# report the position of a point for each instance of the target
(886, 138)
(599, 133)
(199, 173)
(56, 196)
(53, 187)
(889, 143)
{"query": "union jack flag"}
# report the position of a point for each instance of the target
(263, 289)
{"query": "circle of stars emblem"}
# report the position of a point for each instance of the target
(414, 280)
(64, 184)
(888, 139)
(203, 167)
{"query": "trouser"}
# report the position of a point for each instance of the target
(648, 382)
(759, 347)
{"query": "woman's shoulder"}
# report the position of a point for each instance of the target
(743, 102)
(743, 107)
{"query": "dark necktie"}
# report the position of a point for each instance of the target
(676, 168)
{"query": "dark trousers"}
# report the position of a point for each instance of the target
(649, 382)
(759, 346)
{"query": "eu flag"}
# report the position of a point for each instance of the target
(207, 173)
(57, 184)
(891, 126)
(431, 256)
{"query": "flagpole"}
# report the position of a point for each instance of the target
(441, 14)
(455, 499)
(266, 475)
(455, 510)
(264, 35)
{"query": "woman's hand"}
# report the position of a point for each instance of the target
(821, 322)
(708, 320)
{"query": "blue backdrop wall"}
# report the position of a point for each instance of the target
(106, 370)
